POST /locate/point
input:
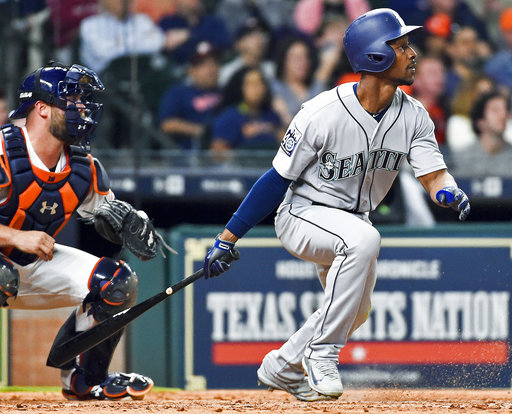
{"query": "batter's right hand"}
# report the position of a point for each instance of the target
(455, 198)
(216, 261)
(35, 242)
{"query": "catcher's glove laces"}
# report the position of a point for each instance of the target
(162, 241)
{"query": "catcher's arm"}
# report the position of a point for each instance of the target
(118, 222)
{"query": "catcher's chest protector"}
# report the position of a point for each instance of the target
(40, 200)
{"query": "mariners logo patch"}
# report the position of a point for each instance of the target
(290, 140)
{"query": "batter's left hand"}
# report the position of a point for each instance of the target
(219, 258)
(455, 198)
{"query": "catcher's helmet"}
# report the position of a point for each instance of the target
(366, 39)
(68, 87)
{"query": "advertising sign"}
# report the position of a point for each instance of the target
(439, 318)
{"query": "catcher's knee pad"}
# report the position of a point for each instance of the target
(112, 288)
(9, 281)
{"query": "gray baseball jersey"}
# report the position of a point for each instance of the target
(342, 163)
(338, 155)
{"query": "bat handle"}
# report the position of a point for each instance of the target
(448, 196)
(230, 256)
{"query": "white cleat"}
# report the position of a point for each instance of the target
(323, 376)
(299, 389)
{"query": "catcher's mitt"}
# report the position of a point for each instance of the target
(120, 223)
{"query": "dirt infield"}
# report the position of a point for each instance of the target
(253, 401)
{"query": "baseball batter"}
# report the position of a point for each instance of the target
(336, 163)
(46, 175)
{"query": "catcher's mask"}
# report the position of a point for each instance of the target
(71, 89)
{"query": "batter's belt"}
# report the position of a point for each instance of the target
(292, 198)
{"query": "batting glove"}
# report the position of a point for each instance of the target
(214, 264)
(455, 198)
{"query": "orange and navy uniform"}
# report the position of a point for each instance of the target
(43, 200)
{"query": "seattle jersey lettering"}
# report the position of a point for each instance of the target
(382, 159)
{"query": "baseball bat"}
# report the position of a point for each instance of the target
(60, 354)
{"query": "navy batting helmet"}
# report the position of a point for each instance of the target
(68, 87)
(366, 39)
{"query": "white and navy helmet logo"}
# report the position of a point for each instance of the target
(290, 140)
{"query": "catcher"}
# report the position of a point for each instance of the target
(46, 174)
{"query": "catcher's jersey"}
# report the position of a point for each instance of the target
(92, 200)
(337, 154)
(39, 199)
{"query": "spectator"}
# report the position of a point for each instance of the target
(248, 121)
(323, 21)
(188, 107)
(275, 13)
(156, 9)
(461, 15)
(428, 88)
(251, 48)
(66, 16)
(439, 16)
(467, 53)
(310, 15)
(189, 26)
(4, 111)
(499, 66)
(459, 133)
(489, 11)
(491, 154)
(436, 36)
(411, 11)
(298, 78)
(117, 32)
(327, 43)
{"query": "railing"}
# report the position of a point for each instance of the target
(200, 173)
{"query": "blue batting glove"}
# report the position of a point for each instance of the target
(214, 264)
(455, 198)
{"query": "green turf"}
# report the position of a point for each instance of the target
(29, 389)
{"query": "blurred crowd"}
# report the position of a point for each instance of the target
(226, 75)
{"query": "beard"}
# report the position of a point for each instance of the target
(406, 82)
(59, 130)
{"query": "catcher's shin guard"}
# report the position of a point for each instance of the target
(66, 332)
(9, 281)
(112, 289)
(91, 367)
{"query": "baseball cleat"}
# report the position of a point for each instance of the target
(323, 376)
(299, 389)
(117, 386)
